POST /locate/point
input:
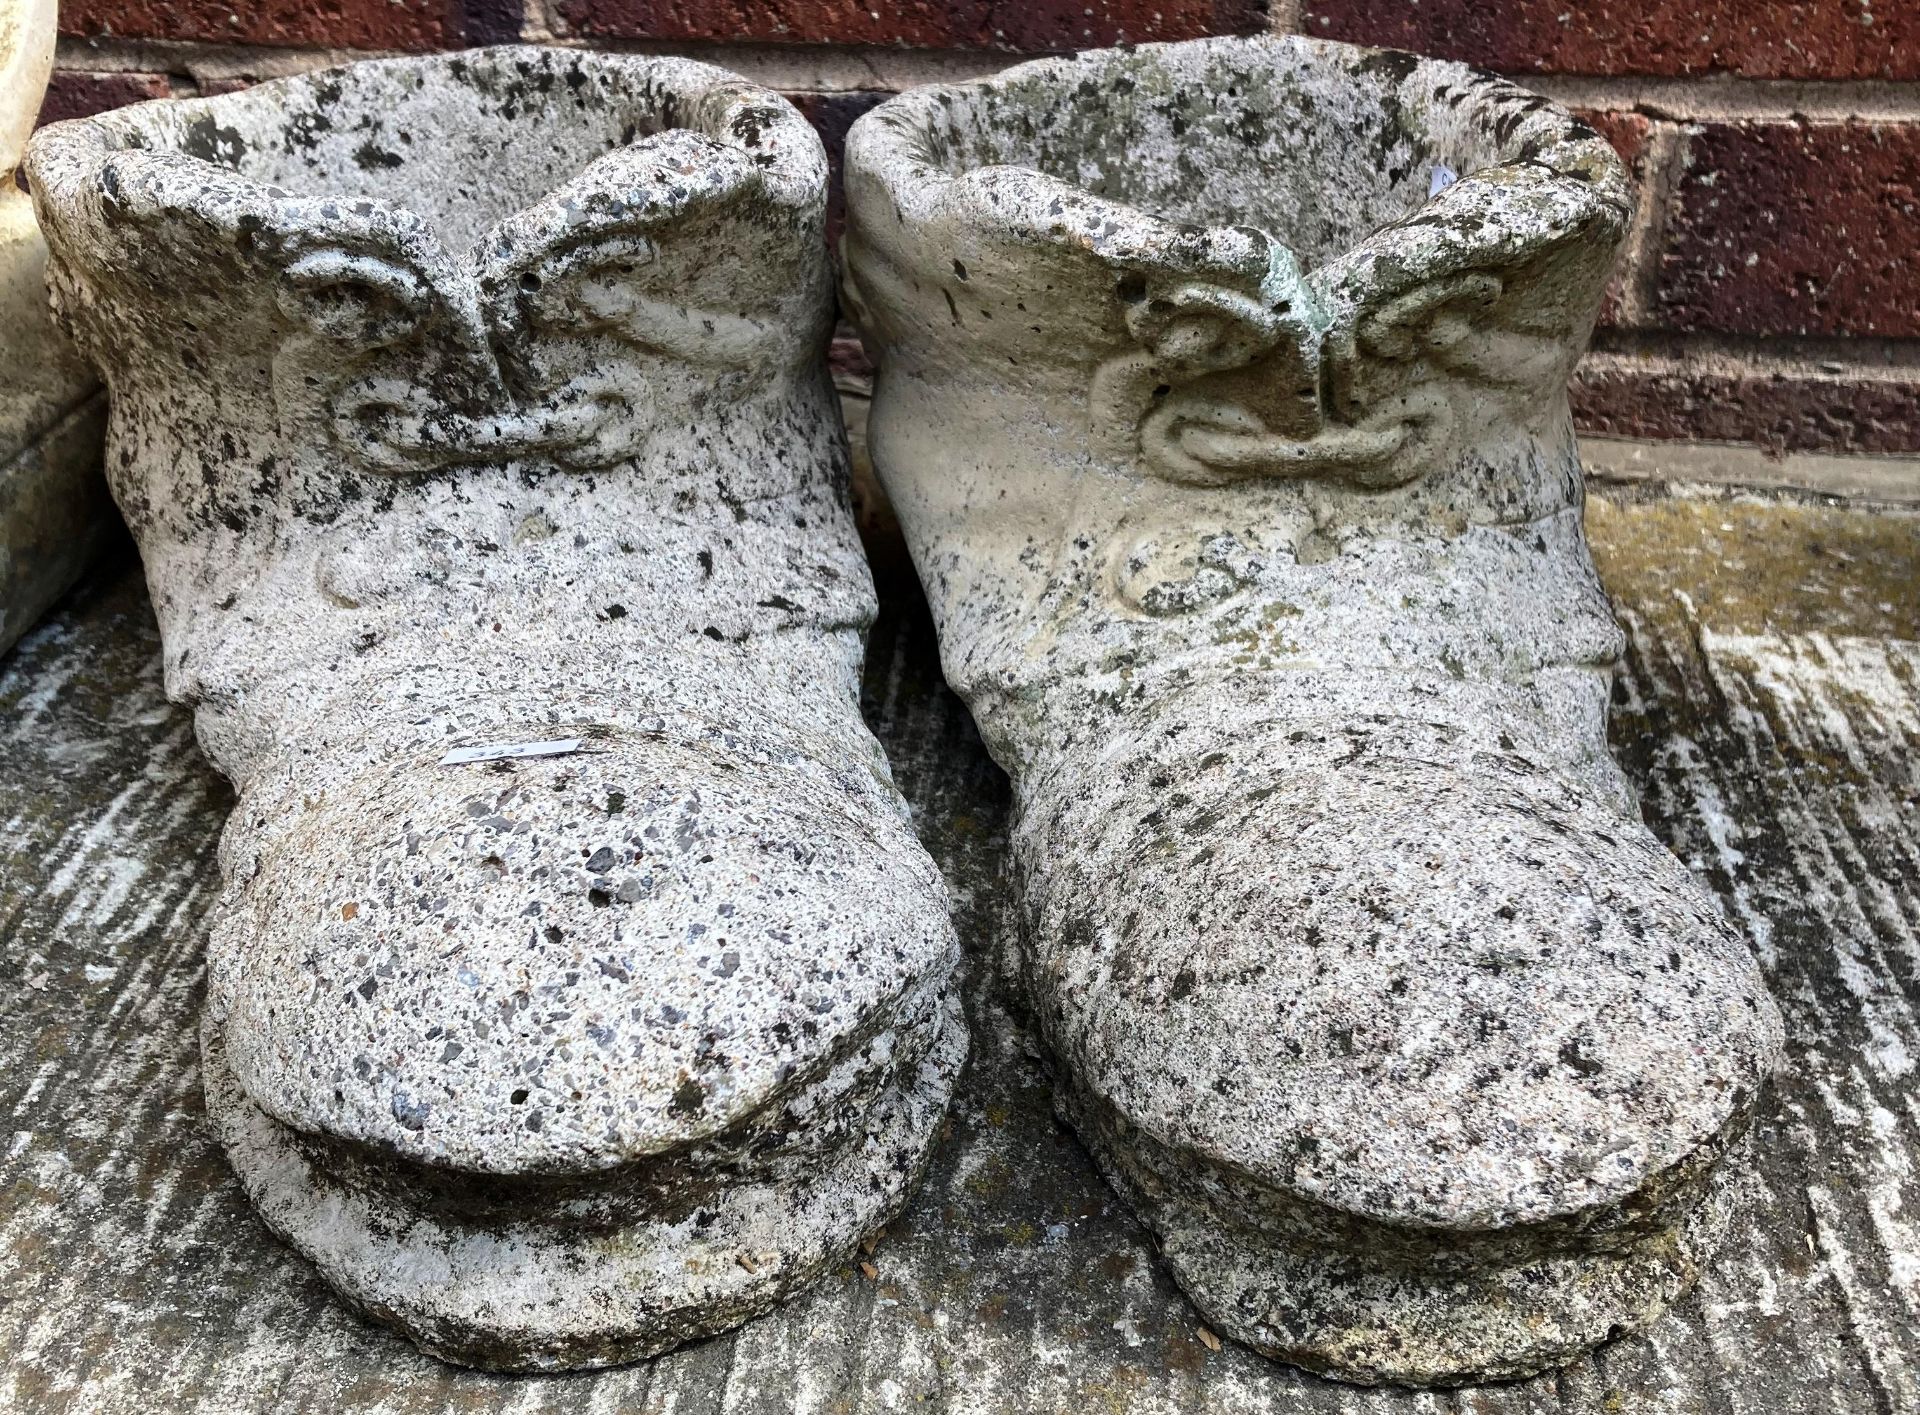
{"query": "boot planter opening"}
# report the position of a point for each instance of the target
(54, 512)
(579, 987)
(1221, 396)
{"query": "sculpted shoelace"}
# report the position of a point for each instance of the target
(1225, 384)
(459, 400)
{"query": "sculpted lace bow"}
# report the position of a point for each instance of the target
(1210, 354)
(538, 345)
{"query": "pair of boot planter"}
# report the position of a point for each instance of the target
(579, 987)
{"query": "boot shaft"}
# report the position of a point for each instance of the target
(1234, 359)
(432, 387)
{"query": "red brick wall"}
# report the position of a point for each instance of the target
(1771, 294)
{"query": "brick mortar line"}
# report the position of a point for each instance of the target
(1886, 349)
(1839, 363)
(1640, 261)
(1719, 98)
(810, 68)
(1872, 478)
(199, 59)
(1285, 17)
(793, 68)
(536, 25)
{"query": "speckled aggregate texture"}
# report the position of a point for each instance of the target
(1221, 398)
(472, 402)
(54, 511)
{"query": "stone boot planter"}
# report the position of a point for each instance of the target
(579, 987)
(1221, 398)
(54, 511)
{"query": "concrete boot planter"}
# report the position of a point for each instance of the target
(1221, 398)
(579, 987)
(54, 511)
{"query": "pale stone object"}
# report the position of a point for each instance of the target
(54, 511)
(578, 986)
(1221, 397)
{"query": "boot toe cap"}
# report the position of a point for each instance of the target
(1411, 993)
(572, 963)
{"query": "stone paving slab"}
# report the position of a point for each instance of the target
(1770, 714)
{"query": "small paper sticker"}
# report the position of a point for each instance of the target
(1443, 177)
(511, 751)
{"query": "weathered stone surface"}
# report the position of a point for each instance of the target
(1769, 717)
(1238, 469)
(480, 401)
(1795, 228)
(53, 506)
